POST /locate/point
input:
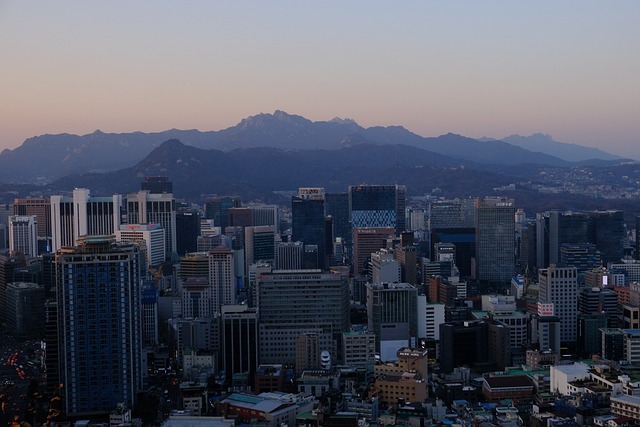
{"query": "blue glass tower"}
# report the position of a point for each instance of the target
(308, 224)
(378, 206)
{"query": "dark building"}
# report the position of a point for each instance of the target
(8, 266)
(462, 343)
(378, 206)
(239, 217)
(598, 300)
(495, 243)
(582, 256)
(609, 234)
(337, 206)
(589, 336)
(613, 344)
(187, 230)
(308, 224)
(464, 240)
(240, 340)
(217, 208)
(157, 184)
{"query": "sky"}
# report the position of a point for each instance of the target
(478, 68)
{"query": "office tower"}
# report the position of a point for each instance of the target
(291, 303)
(144, 207)
(589, 336)
(194, 264)
(217, 208)
(555, 228)
(407, 255)
(222, 278)
(582, 256)
(289, 255)
(495, 242)
(259, 245)
(25, 309)
(559, 285)
(150, 237)
(416, 219)
(336, 205)
(598, 300)
(498, 345)
(149, 304)
(462, 343)
(265, 215)
(453, 221)
(239, 217)
(196, 298)
(8, 265)
(99, 324)
(40, 207)
(308, 220)
(187, 230)
(610, 234)
(359, 349)
(458, 213)
(528, 243)
(82, 215)
(637, 239)
(307, 352)
(23, 235)
(384, 267)
(240, 340)
(378, 206)
(365, 242)
(157, 185)
(430, 316)
(392, 316)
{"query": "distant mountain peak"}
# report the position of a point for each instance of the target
(345, 121)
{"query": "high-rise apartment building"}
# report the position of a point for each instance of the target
(144, 207)
(23, 234)
(291, 303)
(99, 325)
(378, 206)
(82, 215)
(495, 242)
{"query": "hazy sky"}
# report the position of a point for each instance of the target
(478, 68)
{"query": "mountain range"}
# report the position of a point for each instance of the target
(46, 158)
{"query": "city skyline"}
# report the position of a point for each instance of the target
(477, 69)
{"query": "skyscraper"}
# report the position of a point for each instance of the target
(336, 205)
(99, 324)
(378, 206)
(308, 220)
(40, 207)
(365, 242)
(82, 215)
(240, 340)
(495, 242)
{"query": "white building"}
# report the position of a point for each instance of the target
(359, 348)
(82, 215)
(149, 236)
(23, 234)
(144, 207)
(562, 375)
